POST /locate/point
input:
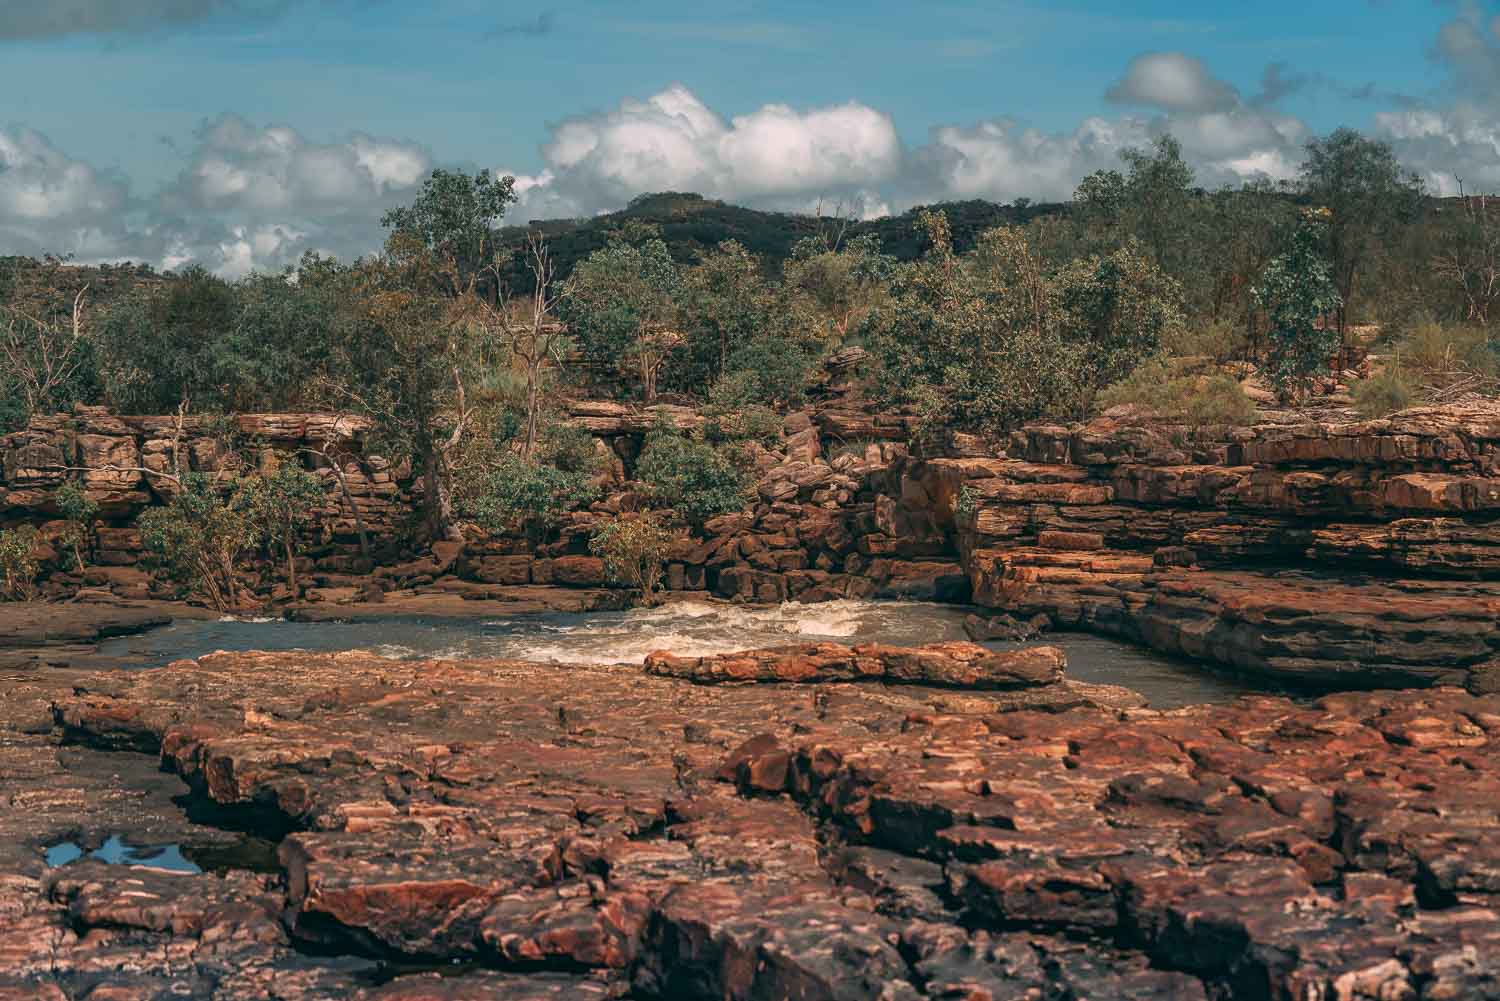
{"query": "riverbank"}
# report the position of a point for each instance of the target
(616, 832)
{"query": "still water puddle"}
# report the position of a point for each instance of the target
(116, 851)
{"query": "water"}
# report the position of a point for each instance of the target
(687, 628)
(116, 851)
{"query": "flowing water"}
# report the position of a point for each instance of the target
(686, 628)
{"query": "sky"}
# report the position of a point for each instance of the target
(237, 134)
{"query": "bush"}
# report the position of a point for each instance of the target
(279, 506)
(1217, 342)
(1382, 394)
(1193, 399)
(201, 537)
(1439, 356)
(80, 510)
(528, 495)
(633, 548)
(18, 567)
(691, 477)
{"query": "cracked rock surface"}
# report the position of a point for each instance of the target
(505, 830)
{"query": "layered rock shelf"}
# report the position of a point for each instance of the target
(1341, 555)
(541, 832)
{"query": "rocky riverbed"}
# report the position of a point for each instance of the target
(739, 827)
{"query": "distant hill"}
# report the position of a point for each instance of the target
(691, 224)
(47, 288)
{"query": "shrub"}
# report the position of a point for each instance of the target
(967, 505)
(201, 537)
(279, 506)
(1382, 394)
(18, 567)
(1193, 399)
(634, 548)
(80, 510)
(1440, 356)
(692, 477)
(1218, 342)
(528, 495)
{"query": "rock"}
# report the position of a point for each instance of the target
(963, 665)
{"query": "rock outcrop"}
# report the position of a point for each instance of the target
(1350, 555)
(589, 832)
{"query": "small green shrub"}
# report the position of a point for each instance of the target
(279, 506)
(1197, 400)
(967, 505)
(201, 538)
(692, 477)
(1382, 394)
(80, 510)
(633, 548)
(1218, 342)
(18, 567)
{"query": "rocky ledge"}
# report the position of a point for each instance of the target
(593, 833)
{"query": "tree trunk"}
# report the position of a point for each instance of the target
(359, 521)
(291, 563)
(533, 403)
(437, 499)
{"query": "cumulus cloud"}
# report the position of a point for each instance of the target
(1172, 82)
(251, 196)
(51, 203)
(673, 141)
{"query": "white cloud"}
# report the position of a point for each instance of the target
(50, 203)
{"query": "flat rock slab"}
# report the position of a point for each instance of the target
(955, 665)
(609, 832)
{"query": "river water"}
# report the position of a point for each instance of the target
(686, 628)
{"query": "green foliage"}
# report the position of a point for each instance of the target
(991, 340)
(1116, 311)
(967, 506)
(529, 495)
(505, 492)
(837, 285)
(1193, 398)
(1383, 394)
(1367, 196)
(18, 567)
(280, 506)
(691, 477)
(1297, 293)
(622, 305)
(725, 301)
(453, 219)
(201, 537)
(80, 510)
(633, 548)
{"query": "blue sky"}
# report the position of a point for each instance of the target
(929, 101)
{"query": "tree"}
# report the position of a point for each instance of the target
(160, 349)
(691, 477)
(201, 537)
(1368, 195)
(1115, 310)
(974, 341)
(838, 283)
(80, 510)
(530, 329)
(634, 547)
(18, 564)
(401, 359)
(453, 218)
(47, 364)
(1468, 258)
(725, 303)
(280, 505)
(622, 304)
(1297, 293)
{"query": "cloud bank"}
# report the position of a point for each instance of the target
(251, 196)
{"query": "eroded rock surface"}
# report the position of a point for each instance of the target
(591, 832)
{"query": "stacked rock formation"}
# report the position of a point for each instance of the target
(1341, 555)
